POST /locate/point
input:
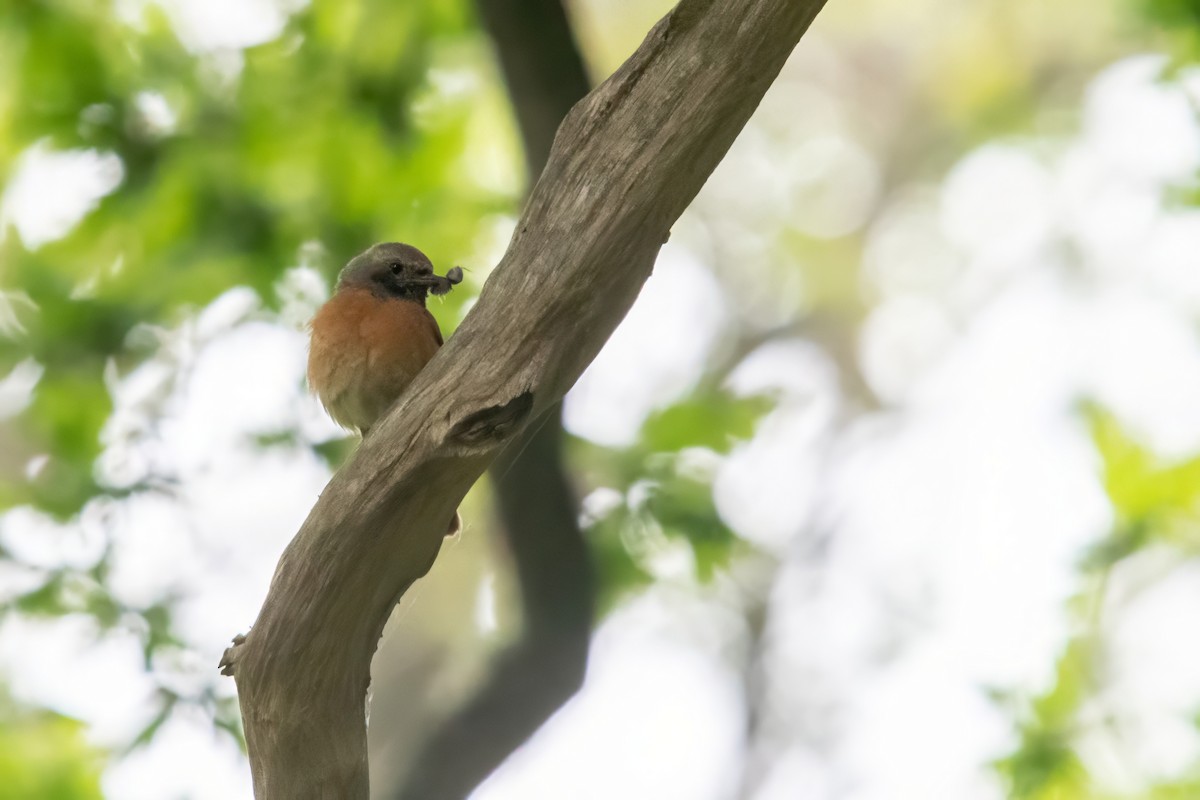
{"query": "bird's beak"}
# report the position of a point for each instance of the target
(439, 284)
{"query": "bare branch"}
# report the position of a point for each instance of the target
(626, 162)
(537, 509)
(535, 675)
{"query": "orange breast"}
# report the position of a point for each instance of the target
(365, 350)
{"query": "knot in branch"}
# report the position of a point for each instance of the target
(493, 424)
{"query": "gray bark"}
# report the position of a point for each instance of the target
(535, 502)
(625, 163)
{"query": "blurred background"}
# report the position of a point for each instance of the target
(887, 488)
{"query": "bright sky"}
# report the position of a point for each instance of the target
(954, 525)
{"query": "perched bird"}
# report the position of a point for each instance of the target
(374, 335)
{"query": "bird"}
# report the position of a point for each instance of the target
(374, 334)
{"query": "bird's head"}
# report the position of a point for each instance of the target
(397, 270)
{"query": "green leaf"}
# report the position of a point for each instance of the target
(713, 419)
(1141, 486)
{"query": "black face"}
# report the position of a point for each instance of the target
(397, 270)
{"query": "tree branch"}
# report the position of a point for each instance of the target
(626, 162)
(532, 677)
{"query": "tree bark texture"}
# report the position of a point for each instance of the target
(626, 162)
(538, 512)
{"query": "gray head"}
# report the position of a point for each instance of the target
(398, 270)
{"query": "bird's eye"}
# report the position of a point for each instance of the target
(395, 267)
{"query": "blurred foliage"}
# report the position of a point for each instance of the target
(708, 419)
(1156, 510)
(1180, 13)
(64, 591)
(661, 491)
(1154, 502)
(333, 133)
(378, 120)
(43, 756)
(1045, 765)
(1181, 19)
(358, 122)
(1155, 505)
